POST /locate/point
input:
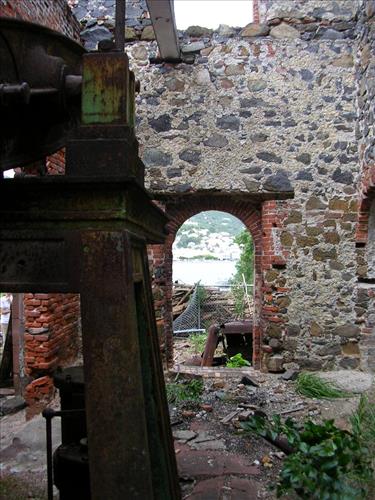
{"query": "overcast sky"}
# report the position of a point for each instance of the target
(211, 13)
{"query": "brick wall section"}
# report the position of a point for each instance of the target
(38, 394)
(56, 163)
(51, 340)
(161, 258)
(54, 14)
(256, 13)
(51, 323)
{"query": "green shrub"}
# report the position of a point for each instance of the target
(328, 463)
(184, 391)
(237, 361)
(198, 341)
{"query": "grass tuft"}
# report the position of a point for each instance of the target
(312, 386)
(184, 391)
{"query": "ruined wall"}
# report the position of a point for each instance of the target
(271, 109)
(267, 112)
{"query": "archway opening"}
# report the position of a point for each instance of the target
(213, 288)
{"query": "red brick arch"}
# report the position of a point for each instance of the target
(179, 211)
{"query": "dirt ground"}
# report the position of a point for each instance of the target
(225, 395)
(216, 458)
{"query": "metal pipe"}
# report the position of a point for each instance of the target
(120, 25)
(48, 414)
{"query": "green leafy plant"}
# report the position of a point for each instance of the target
(237, 361)
(312, 386)
(198, 341)
(327, 463)
(184, 391)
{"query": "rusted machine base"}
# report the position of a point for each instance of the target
(234, 332)
(72, 235)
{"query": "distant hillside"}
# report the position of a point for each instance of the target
(209, 233)
(215, 222)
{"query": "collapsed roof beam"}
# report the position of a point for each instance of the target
(164, 23)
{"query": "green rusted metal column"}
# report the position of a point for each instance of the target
(130, 446)
(86, 232)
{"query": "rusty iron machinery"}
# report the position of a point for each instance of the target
(40, 91)
(86, 232)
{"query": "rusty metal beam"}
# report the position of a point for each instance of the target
(164, 23)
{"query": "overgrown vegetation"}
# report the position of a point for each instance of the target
(198, 342)
(244, 269)
(237, 361)
(312, 386)
(179, 391)
(328, 463)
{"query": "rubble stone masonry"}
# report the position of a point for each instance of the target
(283, 108)
(275, 124)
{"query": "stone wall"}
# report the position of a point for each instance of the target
(266, 113)
(97, 18)
(270, 111)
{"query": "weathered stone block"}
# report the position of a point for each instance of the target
(294, 217)
(153, 156)
(275, 364)
(198, 31)
(228, 122)
(314, 203)
(278, 182)
(274, 331)
(254, 29)
(348, 330)
(293, 330)
(310, 363)
(315, 329)
(192, 156)
(321, 254)
(286, 239)
(304, 158)
(283, 31)
(216, 141)
(349, 363)
(256, 85)
(350, 349)
(329, 350)
(306, 241)
(148, 33)
(234, 69)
